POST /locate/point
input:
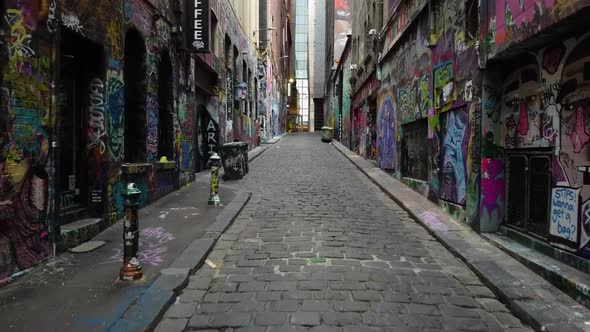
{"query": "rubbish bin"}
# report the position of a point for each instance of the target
(245, 155)
(234, 162)
(327, 134)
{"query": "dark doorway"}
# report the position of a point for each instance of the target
(529, 191)
(135, 98)
(207, 138)
(81, 94)
(165, 108)
(414, 152)
(318, 114)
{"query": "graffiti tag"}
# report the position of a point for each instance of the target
(96, 122)
(564, 213)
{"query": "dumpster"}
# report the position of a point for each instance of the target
(327, 134)
(234, 162)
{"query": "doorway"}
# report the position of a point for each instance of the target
(529, 191)
(135, 150)
(81, 80)
(165, 109)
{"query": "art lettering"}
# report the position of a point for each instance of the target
(52, 21)
(564, 223)
(20, 41)
(96, 117)
(72, 22)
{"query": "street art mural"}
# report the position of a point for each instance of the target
(386, 130)
(421, 78)
(541, 103)
(342, 23)
(346, 102)
(506, 22)
(453, 186)
(25, 126)
(30, 111)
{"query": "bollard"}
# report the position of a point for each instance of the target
(214, 193)
(131, 269)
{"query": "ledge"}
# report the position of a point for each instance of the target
(135, 168)
(166, 165)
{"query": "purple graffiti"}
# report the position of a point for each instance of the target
(152, 247)
(152, 128)
(433, 221)
(492, 186)
(579, 136)
(386, 142)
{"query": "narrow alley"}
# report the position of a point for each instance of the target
(313, 251)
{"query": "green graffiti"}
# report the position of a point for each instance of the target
(489, 148)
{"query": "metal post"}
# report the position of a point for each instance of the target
(131, 269)
(214, 193)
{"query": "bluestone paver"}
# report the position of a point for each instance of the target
(319, 247)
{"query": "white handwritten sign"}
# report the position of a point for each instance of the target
(564, 225)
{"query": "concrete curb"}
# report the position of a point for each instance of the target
(146, 312)
(530, 297)
(276, 139)
(255, 153)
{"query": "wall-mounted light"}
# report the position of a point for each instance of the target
(263, 29)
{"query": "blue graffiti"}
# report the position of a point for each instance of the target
(186, 156)
(453, 186)
(386, 144)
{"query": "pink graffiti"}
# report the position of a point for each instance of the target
(579, 136)
(492, 185)
(523, 119)
(522, 13)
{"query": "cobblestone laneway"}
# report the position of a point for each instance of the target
(320, 248)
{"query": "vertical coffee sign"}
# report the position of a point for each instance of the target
(197, 27)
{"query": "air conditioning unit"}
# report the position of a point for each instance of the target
(372, 32)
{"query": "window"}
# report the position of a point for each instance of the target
(213, 45)
(134, 150)
(165, 109)
(471, 17)
(379, 16)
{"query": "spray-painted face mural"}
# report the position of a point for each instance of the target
(521, 108)
(574, 98)
(545, 103)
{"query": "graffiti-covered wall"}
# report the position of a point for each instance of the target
(541, 103)
(345, 111)
(507, 22)
(27, 120)
(431, 72)
(64, 117)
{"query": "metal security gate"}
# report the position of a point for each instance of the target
(528, 192)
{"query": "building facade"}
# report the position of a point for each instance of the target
(95, 95)
(481, 107)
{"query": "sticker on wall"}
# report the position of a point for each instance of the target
(564, 227)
